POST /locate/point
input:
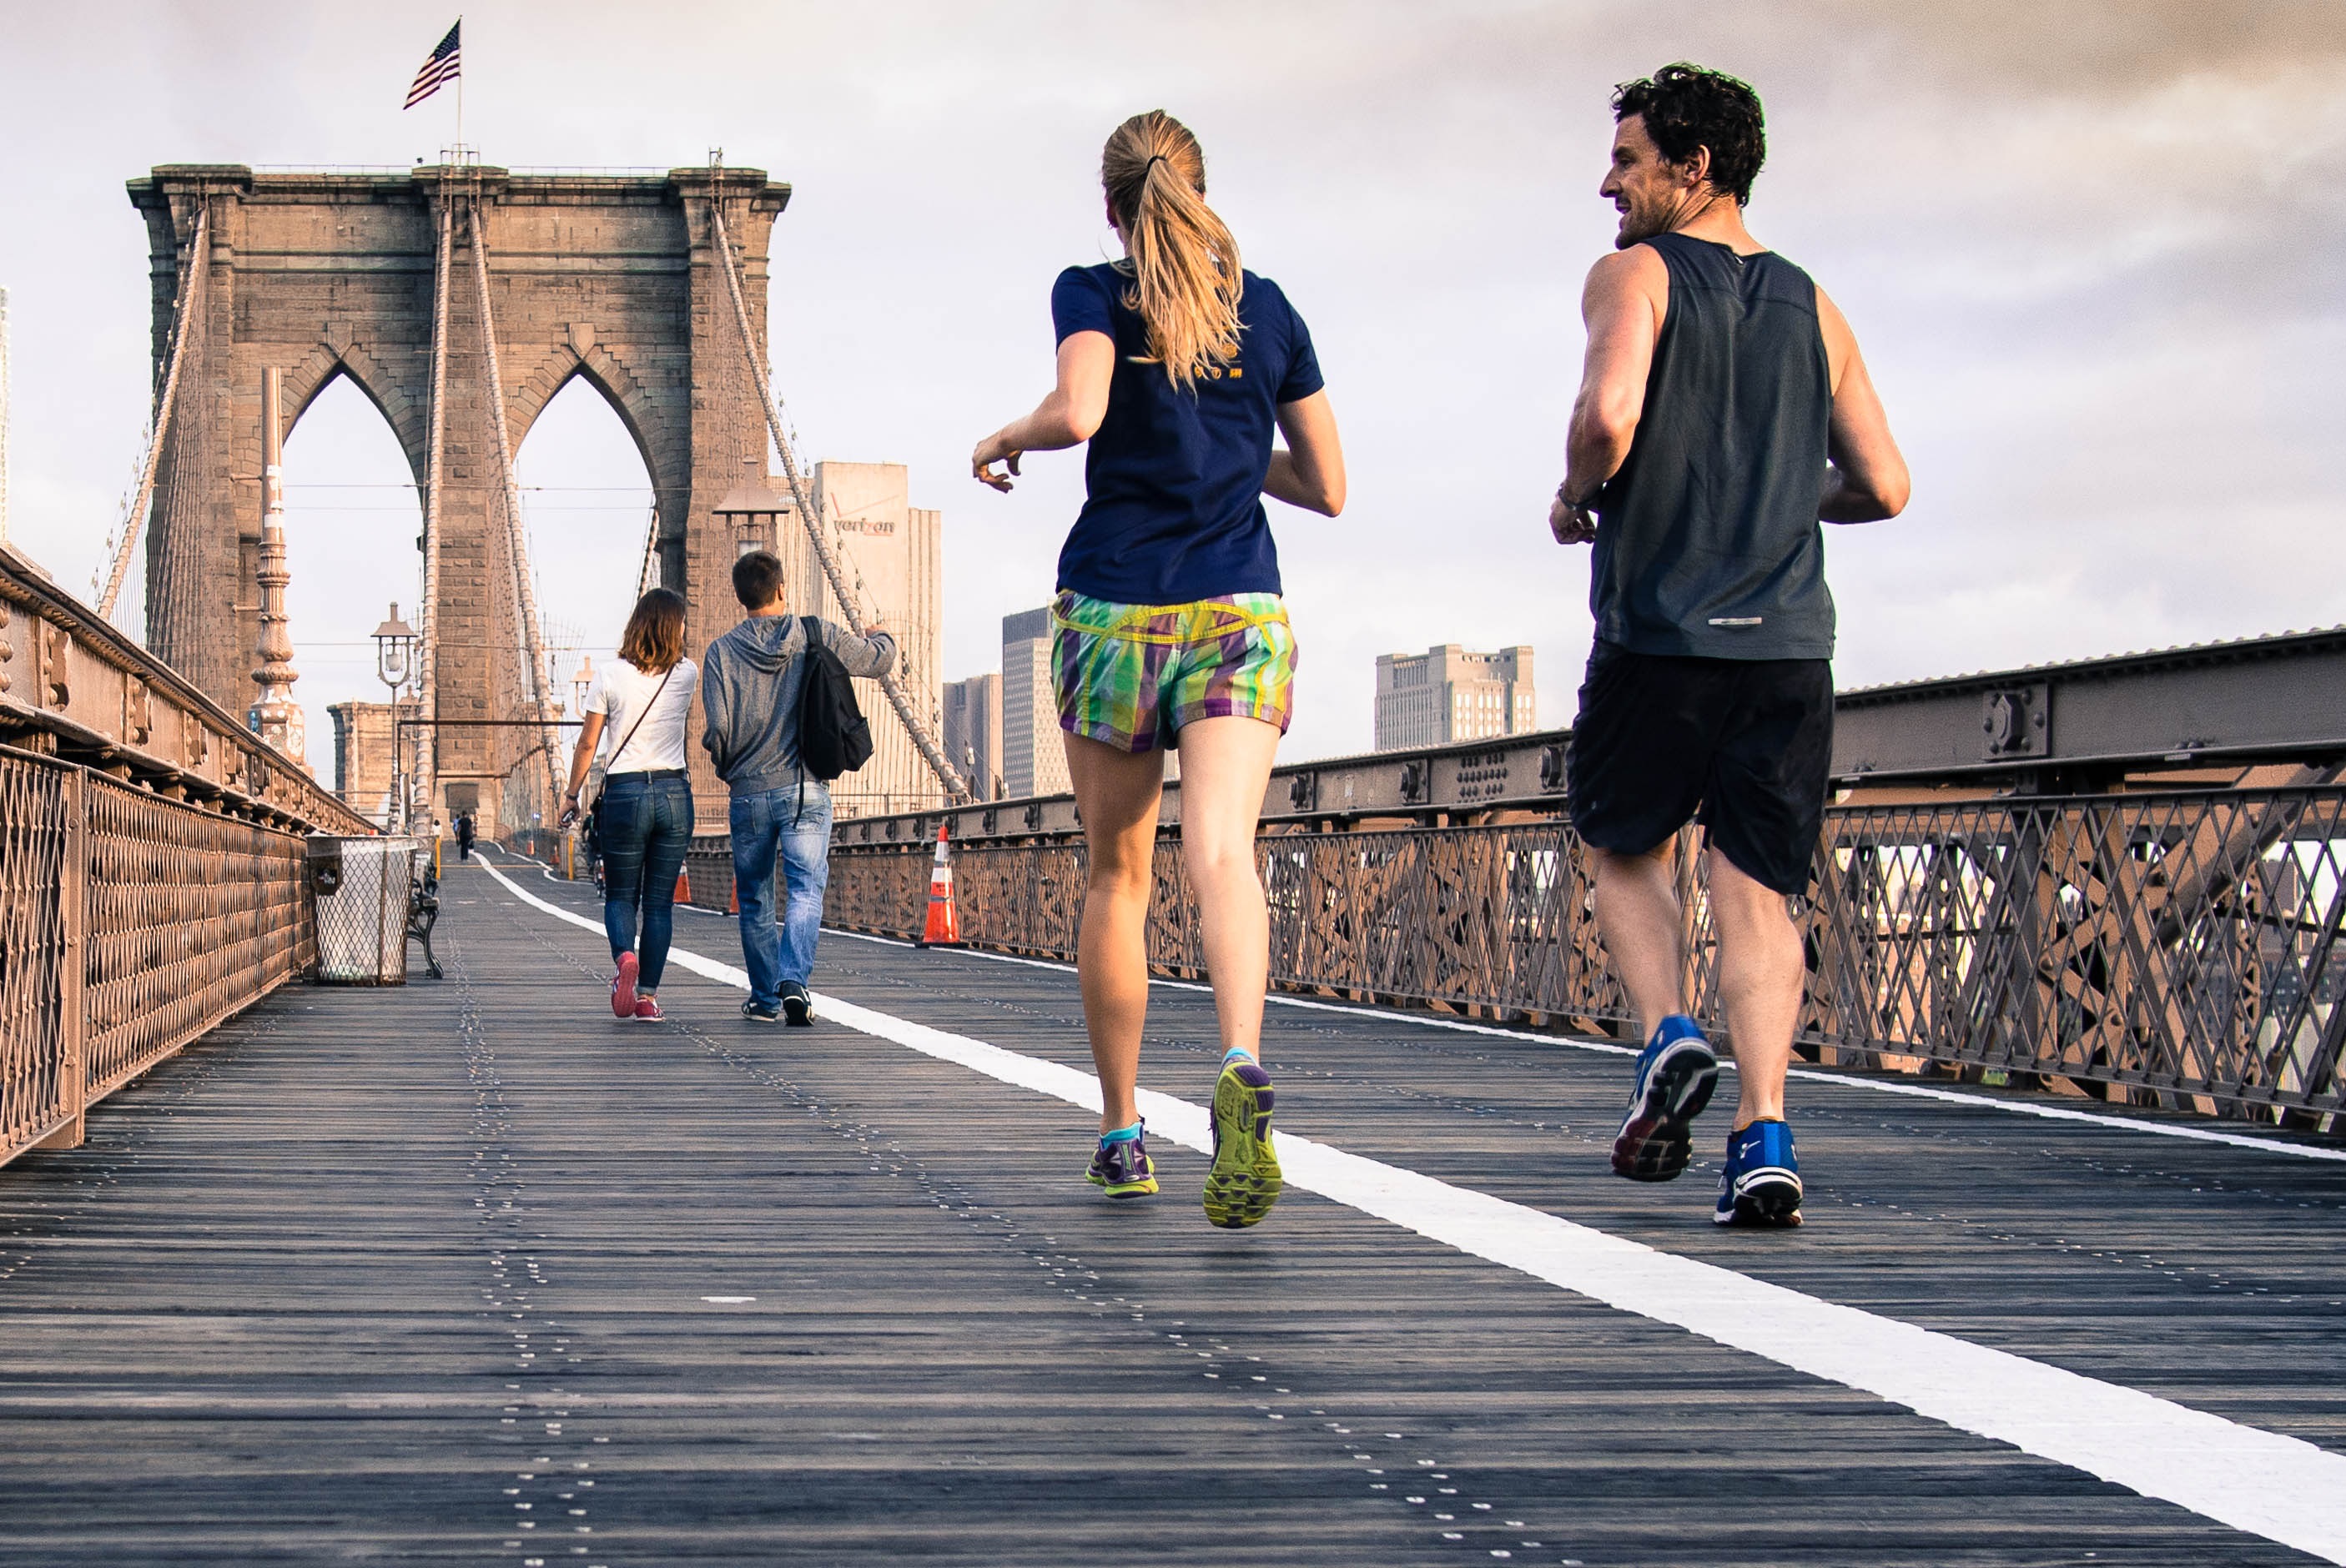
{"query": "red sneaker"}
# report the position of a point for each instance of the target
(647, 1010)
(623, 988)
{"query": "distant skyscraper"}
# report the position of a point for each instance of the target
(973, 732)
(1033, 759)
(1447, 694)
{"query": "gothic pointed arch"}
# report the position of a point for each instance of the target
(600, 368)
(408, 417)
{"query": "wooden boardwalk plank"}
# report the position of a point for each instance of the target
(368, 1271)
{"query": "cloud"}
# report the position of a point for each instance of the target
(2090, 250)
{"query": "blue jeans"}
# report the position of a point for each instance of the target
(647, 826)
(795, 826)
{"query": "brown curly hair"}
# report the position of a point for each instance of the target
(1686, 108)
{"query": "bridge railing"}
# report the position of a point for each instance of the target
(129, 925)
(2180, 948)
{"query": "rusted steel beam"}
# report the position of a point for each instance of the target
(90, 693)
(2221, 713)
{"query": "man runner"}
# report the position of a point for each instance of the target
(1724, 412)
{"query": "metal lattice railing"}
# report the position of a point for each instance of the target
(36, 1046)
(2177, 949)
(129, 925)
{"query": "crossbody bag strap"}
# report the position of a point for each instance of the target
(647, 713)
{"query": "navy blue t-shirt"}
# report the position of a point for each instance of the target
(1175, 475)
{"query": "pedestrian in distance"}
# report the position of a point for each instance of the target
(1177, 367)
(466, 832)
(643, 817)
(753, 697)
(1724, 412)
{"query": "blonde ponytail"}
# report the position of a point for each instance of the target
(1185, 264)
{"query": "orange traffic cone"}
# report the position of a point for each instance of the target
(683, 886)
(943, 928)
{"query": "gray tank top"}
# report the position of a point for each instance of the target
(1707, 542)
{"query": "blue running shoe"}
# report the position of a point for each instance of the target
(1121, 1165)
(1676, 1075)
(1761, 1183)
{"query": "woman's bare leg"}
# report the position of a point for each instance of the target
(1225, 769)
(1118, 793)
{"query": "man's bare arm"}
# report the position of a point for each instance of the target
(1867, 481)
(1622, 306)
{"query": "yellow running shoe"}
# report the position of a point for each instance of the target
(1244, 1181)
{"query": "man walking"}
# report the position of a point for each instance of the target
(751, 685)
(1724, 412)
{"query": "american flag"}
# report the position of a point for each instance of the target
(445, 65)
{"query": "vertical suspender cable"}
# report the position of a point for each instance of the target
(851, 599)
(199, 259)
(516, 537)
(428, 739)
(647, 572)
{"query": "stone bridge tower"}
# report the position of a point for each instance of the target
(614, 278)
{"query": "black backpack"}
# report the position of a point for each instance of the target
(832, 736)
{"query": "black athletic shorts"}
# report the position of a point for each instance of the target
(1742, 746)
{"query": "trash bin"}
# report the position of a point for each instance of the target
(359, 887)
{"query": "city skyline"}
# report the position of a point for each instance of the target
(2050, 348)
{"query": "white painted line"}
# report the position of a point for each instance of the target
(2281, 1488)
(1809, 1075)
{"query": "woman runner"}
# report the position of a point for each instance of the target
(1168, 629)
(645, 813)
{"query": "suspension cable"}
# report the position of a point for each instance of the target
(427, 748)
(831, 554)
(516, 536)
(199, 259)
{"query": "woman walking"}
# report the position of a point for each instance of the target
(644, 815)
(1168, 628)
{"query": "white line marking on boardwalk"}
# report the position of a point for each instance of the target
(1809, 1075)
(2281, 1488)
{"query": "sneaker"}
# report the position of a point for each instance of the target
(1676, 1075)
(1761, 1185)
(761, 1013)
(647, 1010)
(1243, 1181)
(623, 988)
(797, 1005)
(1122, 1166)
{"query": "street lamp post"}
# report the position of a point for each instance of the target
(394, 665)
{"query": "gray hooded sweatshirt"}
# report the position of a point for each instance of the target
(750, 683)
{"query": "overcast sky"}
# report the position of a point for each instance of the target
(2092, 253)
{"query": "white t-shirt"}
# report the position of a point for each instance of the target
(621, 692)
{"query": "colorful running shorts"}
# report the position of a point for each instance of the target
(1131, 676)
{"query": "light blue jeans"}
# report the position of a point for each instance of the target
(792, 825)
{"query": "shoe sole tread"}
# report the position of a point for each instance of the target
(1244, 1181)
(1656, 1142)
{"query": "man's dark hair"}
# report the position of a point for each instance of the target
(1686, 108)
(758, 579)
